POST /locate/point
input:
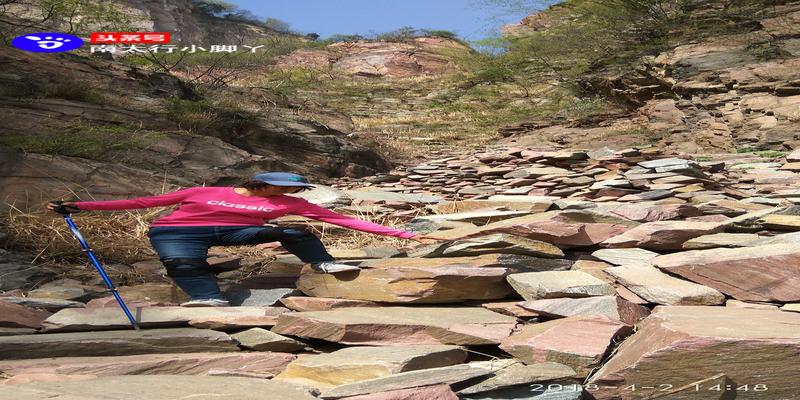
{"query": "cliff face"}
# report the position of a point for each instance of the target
(423, 56)
(73, 120)
(706, 93)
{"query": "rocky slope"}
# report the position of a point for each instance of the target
(118, 130)
(580, 275)
(710, 92)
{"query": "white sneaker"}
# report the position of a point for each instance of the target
(329, 267)
(206, 303)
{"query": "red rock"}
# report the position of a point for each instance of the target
(684, 345)
(17, 316)
(579, 342)
(762, 273)
(662, 235)
(298, 303)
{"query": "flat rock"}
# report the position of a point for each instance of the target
(562, 228)
(430, 392)
(296, 303)
(723, 240)
(549, 284)
(17, 316)
(405, 380)
(657, 287)
(360, 363)
(489, 244)
(662, 235)
(83, 319)
(517, 373)
(614, 307)
(241, 296)
(679, 345)
(763, 273)
(51, 305)
(399, 325)
(477, 217)
(579, 342)
(162, 387)
(265, 364)
(108, 343)
(628, 257)
(260, 339)
(511, 261)
(440, 284)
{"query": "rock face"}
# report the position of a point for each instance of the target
(683, 345)
(578, 342)
(379, 59)
(314, 147)
(763, 273)
(439, 284)
(399, 325)
(707, 95)
(365, 362)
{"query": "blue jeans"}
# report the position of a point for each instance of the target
(183, 251)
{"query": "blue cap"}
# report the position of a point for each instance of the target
(283, 179)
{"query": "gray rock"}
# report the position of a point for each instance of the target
(263, 340)
(241, 296)
(631, 257)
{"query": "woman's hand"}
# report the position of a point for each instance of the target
(63, 207)
(427, 239)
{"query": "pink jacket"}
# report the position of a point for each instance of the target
(209, 206)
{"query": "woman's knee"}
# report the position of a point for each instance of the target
(186, 267)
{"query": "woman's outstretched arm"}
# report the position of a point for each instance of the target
(165, 199)
(310, 210)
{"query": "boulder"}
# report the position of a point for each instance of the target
(399, 325)
(683, 345)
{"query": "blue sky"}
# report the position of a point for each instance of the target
(470, 19)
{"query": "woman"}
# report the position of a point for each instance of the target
(229, 216)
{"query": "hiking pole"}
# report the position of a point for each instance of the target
(65, 211)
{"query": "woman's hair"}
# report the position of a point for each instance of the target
(252, 184)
